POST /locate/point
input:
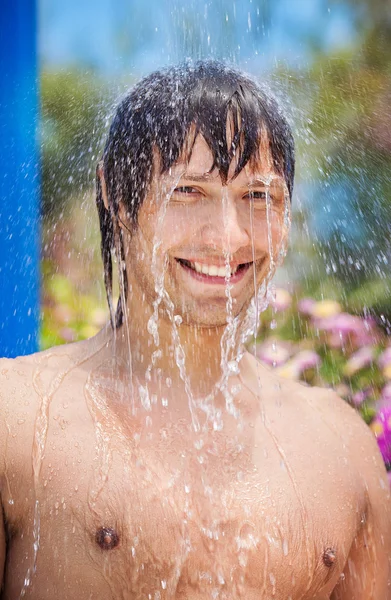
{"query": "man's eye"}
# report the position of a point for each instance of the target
(257, 195)
(187, 190)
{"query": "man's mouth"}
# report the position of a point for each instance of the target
(213, 273)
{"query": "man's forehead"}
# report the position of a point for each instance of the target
(199, 163)
(248, 176)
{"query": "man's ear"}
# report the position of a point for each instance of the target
(124, 220)
(99, 172)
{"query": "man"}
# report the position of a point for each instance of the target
(159, 459)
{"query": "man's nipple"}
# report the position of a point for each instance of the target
(107, 538)
(329, 557)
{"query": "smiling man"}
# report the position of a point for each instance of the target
(159, 459)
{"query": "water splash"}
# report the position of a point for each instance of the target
(45, 394)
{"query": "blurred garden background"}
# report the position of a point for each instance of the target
(330, 64)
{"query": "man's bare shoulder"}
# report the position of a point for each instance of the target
(332, 418)
(18, 402)
(20, 379)
(26, 381)
(260, 377)
(19, 376)
(16, 385)
(54, 362)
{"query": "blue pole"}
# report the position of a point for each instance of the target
(19, 179)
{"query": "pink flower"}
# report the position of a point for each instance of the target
(307, 359)
(341, 323)
(359, 360)
(305, 306)
(370, 322)
(386, 393)
(273, 353)
(68, 334)
(294, 368)
(344, 327)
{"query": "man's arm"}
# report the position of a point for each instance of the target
(367, 573)
(3, 437)
(2, 546)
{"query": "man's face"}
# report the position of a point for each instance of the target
(191, 225)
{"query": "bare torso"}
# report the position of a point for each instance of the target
(142, 507)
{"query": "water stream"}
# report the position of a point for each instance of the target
(113, 375)
(209, 469)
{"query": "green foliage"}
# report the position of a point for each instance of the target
(340, 107)
(73, 295)
(74, 107)
(67, 315)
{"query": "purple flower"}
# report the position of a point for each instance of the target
(381, 427)
(359, 397)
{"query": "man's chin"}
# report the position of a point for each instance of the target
(212, 317)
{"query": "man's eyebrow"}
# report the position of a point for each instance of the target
(198, 177)
(267, 180)
(205, 177)
(257, 181)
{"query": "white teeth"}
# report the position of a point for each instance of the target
(221, 272)
(214, 271)
(211, 270)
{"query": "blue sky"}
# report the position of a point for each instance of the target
(125, 38)
(135, 36)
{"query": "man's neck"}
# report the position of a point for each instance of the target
(159, 349)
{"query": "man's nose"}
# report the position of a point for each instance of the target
(226, 230)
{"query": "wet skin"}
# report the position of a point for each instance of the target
(296, 497)
(287, 499)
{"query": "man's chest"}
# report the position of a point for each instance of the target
(170, 516)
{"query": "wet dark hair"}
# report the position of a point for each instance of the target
(159, 114)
